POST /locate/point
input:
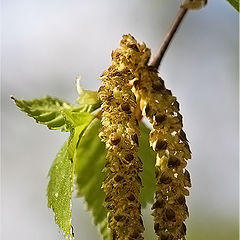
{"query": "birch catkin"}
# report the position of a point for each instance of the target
(120, 133)
(169, 141)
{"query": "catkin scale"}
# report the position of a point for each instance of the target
(120, 133)
(167, 139)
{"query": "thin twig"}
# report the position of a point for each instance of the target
(156, 60)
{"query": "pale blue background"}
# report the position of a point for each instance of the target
(47, 43)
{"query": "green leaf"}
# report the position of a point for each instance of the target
(90, 162)
(77, 122)
(60, 185)
(87, 96)
(59, 190)
(45, 110)
(75, 119)
(51, 111)
(235, 4)
(148, 157)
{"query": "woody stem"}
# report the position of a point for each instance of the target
(156, 60)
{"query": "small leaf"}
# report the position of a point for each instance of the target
(148, 157)
(74, 119)
(87, 96)
(50, 111)
(45, 110)
(77, 122)
(59, 190)
(60, 185)
(235, 4)
(90, 162)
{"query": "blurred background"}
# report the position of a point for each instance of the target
(46, 44)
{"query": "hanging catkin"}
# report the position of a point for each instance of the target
(167, 139)
(120, 133)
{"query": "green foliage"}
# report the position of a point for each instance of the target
(59, 190)
(235, 4)
(76, 122)
(89, 97)
(83, 156)
(58, 114)
(61, 174)
(90, 161)
(148, 158)
(89, 170)
(45, 110)
(55, 113)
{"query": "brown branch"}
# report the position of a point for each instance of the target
(156, 60)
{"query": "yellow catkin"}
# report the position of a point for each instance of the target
(167, 139)
(120, 133)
